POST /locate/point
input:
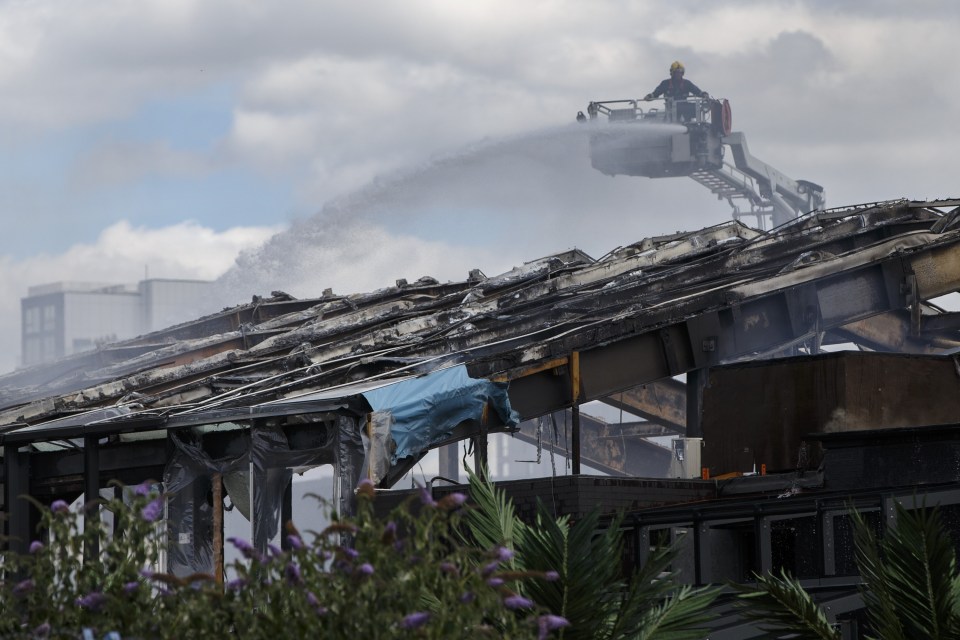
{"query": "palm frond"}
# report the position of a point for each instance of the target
(591, 592)
(877, 594)
(955, 595)
(655, 580)
(780, 603)
(651, 588)
(492, 521)
(590, 588)
(680, 616)
(918, 571)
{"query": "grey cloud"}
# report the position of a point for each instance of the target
(452, 79)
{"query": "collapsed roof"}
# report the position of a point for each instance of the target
(553, 332)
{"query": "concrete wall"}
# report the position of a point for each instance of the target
(99, 317)
(170, 302)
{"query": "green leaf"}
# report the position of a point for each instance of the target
(493, 520)
(588, 561)
(915, 581)
(877, 596)
(779, 603)
(680, 616)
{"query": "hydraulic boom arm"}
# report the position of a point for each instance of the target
(689, 138)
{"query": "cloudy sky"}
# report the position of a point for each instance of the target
(384, 139)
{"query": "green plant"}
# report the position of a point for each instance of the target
(590, 591)
(407, 576)
(57, 589)
(910, 585)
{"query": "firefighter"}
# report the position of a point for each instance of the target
(676, 87)
(676, 90)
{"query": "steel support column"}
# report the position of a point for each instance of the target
(217, 489)
(91, 495)
(575, 412)
(763, 546)
(696, 383)
(286, 513)
(16, 483)
(480, 459)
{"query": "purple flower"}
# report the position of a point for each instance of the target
(92, 601)
(24, 587)
(517, 602)
(549, 623)
(489, 568)
(245, 548)
(274, 550)
(313, 602)
(389, 533)
(353, 554)
(452, 501)
(36, 546)
(415, 620)
(147, 573)
(292, 573)
(365, 490)
(449, 567)
(130, 587)
(295, 542)
(503, 554)
(467, 597)
(366, 569)
(551, 576)
(426, 497)
(240, 544)
(143, 489)
(59, 506)
(153, 510)
(495, 582)
(236, 584)
(42, 631)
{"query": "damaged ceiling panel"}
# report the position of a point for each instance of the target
(643, 312)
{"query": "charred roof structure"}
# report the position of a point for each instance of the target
(370, 382)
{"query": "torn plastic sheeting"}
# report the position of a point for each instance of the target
(379, 445)
(274, 463)
(425, 410)
(187, 484)
(267, 453)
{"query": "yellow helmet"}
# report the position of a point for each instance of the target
(676, 66)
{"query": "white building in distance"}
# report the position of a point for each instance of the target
(64, 318)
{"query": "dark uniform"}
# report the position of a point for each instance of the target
(676, 89)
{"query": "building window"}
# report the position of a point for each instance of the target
(49, 318)
(31, 320)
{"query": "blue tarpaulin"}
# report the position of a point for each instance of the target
(425, 410)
